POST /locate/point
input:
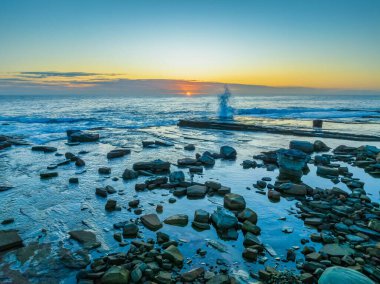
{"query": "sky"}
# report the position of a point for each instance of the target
(68, 46)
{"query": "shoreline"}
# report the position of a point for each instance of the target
(227, 172)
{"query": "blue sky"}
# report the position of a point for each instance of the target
(322, 44)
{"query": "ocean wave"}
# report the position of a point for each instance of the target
(25, 119)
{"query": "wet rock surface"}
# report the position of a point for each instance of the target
(103, 229)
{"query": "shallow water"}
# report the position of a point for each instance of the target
(58, 207)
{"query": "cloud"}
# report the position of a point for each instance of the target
(51, 83)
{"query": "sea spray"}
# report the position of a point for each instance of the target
(225, 111)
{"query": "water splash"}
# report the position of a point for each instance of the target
(225, 111)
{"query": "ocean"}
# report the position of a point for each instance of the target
(45, 118)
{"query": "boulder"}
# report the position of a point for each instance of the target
(79, 162)
(207, 159)
(189, 147)
(319, 146)
(187, 162)
(196, 191)
(227, 152)
(338, 274)
(293, 189)
(274, 195)
(130, 230)
(251, 240)
(45, 149)
(115, 275)
(291, 162)
(9, 239)
(327, 171)
(81, 136)
(234, 201)
(177, 220)
(177, 177)
(250, 254)
(193, 274)
(87, 238)
(180, 191)
(156, 166)
(248, 214)
(337, 250)
(46, 175)
(174, 255)
(151, 221)
(303, 146)
(117, 153)
(223, 219)
(110, 205)
(213, 185)
(201, 216)
(130, 174)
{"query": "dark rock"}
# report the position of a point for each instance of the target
(130, 230)
(116, 275)
(117, 153)
(189, 147)
(101, 192)
(227, 152)
(174, 255)
(303, 146)
(110, 205)
(180, 191)
(201, 216)
(87, 238)
(223, 219)
(47, 175)
(319, 146)
(45, 149)
(196, 191)
(73, 180)
(81, 136)
(77, 259)
(177, 220)
(9, 239)
(248, 214)
(151, 221)
(104, 170)
(129, 174)
(234, 201)
(291, 162)
(177, 177)
(156, 166)
(80, 163)
(193, 274)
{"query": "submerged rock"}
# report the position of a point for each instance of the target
(129, 174)
(9, 239)
(87, 238)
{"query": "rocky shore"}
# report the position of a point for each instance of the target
(346, 224)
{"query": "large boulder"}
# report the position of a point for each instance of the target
(81, 136)
(338, 274)
(223, 219)
(156, 166)
(151, 221)
(303, 146)
(227, 152)
(291, 162)
(206, 159)
(116, 275)
(234, 201)
(248, 214)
